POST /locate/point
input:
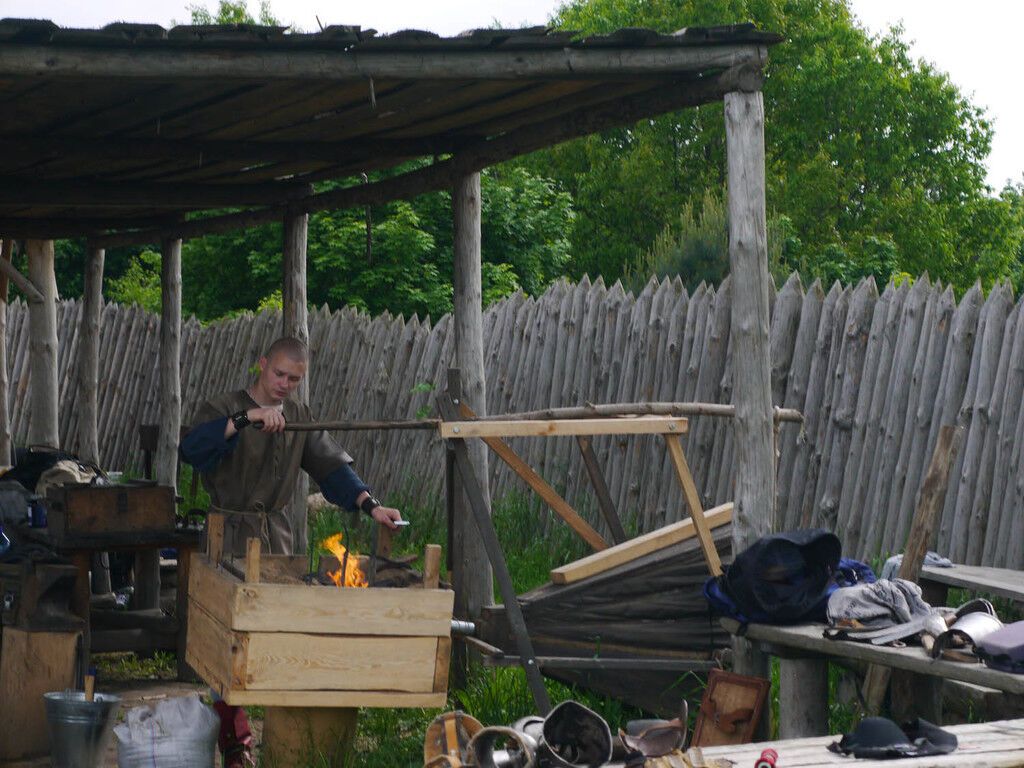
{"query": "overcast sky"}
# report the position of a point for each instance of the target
(974, 43)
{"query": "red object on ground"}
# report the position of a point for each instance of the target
(235, 737)
(767, 759)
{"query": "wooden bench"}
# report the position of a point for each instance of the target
(803, 676)
(998, 744)
(1004, 582)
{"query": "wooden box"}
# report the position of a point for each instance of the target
(91, 510)
(291, 644)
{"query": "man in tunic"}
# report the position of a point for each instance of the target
(249, 466)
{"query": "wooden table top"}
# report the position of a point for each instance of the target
(997, 581)
(998, 744)
(808, 637)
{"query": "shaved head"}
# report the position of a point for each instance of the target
(290, 347)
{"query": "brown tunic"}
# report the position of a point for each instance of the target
(259, 475)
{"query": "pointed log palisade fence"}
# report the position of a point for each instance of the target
(875, 376)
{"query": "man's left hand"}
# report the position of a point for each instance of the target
(386, 516)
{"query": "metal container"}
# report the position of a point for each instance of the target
(80, 730)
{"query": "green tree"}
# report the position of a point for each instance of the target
(870, 154)
(140, 283)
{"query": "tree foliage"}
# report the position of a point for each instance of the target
(875, 159)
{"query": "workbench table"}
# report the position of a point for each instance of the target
(79, 549)
(997, 744)
(803, 654)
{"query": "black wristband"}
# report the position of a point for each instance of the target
(240, 420)
(369, 504)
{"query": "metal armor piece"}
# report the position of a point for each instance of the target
(501, 747)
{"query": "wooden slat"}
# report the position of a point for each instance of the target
(615, 556)
(288, 608)
(641, 425)
(441, 664)
(298, 661)
(693, 505)
(209, 649)
(1004, 582)
(386, 699)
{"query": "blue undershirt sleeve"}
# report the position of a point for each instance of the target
(342, 487)
(204, 446)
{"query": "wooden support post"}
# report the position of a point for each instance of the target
(479, 505)
(472, 574)
(295, 315)
(6, 252)
(754, 513)
(43, 427)
(185, 672)
(432, 566)
(165, 465)
(88, 355)
(803, 698)
(215, 537)
(252, 561)
(922, 534)
(604, 497)
(88, 384)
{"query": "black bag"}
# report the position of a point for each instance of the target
(784, 577)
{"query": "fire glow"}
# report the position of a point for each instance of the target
(349, 574)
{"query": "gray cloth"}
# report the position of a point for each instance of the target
(933, 559)
(882, 604)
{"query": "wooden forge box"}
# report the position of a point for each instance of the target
(277, 641)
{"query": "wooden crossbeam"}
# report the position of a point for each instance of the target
(129, 195)
(563, 63)
(642, 425)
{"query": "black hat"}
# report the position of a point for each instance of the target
(878, 738)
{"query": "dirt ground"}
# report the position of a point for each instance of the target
(133, 694)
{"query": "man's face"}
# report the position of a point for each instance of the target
(280, 375)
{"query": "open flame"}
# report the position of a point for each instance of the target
(349, 574)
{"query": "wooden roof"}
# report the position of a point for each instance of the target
(133, 126)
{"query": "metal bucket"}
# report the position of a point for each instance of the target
(80, 730)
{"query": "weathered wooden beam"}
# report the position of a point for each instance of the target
(604, 497)
(295, 319)
(445, 174)
(803, 697)
(51, 227)
(203, 153)
(641, 425)
(754, 512)
(147, 563)
(21, 193)
(43, 429)
(693, 505)
(567, 63)
(472, 572)
(88, 356)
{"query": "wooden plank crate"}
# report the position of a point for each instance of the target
(277, 641)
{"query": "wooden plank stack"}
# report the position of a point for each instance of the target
(874, 372)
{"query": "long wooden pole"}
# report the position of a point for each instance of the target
(6, 253)
(295, 316)
(754, 511)
(471, 571)
(88, 356)
(640, 409)
(43, 429)
(165, 468)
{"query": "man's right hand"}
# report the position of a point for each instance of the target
(271, 418)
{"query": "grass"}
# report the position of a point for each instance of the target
(123, 667)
